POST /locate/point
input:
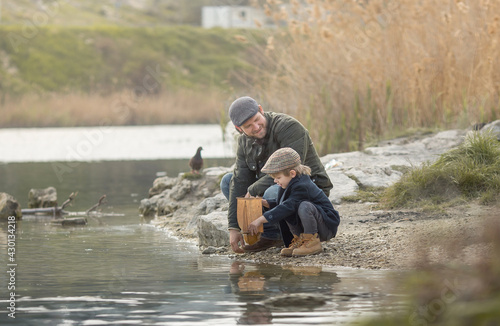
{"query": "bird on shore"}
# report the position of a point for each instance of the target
(196, 162)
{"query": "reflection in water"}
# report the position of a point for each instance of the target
(263, 281)
(255, 314)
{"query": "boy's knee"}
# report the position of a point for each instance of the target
(306, 209)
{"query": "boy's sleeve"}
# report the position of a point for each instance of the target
(288, 207)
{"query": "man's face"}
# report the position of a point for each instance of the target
(256, 126)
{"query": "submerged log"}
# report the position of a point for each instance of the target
(70, 221)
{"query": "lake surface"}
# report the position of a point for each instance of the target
(112, 143)
(118, 271)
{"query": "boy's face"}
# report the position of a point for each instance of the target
(282, 180)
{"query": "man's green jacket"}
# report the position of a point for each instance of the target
(252, 154)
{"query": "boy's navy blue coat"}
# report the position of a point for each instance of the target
(301, 188)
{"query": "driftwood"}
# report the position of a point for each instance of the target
(54, 211)
(80, 218)
(101, 201)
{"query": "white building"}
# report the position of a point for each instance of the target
(233, 17)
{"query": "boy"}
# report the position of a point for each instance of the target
(305, 208)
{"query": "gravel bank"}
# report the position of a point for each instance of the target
(374, 239)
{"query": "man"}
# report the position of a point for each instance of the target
(262, 133)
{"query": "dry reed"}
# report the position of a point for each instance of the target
(125, 108)
(355, 70)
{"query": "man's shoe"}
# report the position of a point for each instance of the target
(296, 242)
(262, 244)
(310, 245)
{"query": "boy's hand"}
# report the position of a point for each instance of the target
(253, 228)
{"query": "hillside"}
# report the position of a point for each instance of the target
(56, 76)
(106, 12)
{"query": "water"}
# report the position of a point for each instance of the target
(112, 143)
(118, 271)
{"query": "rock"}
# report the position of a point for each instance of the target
(212, 230)
(208, 205)
(444, 140)
(180, 190)
(216, 171)
(9, 207)
(342, 186)
(380, 166)
(179, 193)
(493, 128)
(375, 176)
(165, 206)
(148, 207)
(161, 184)
(205, 187)
(42, 198)
(209, 251)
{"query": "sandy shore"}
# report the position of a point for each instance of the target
(374, 239)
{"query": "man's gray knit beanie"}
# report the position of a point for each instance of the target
(243, 109)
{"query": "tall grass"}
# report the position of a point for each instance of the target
(357, 70)
(123, 108)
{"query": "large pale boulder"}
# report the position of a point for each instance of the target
(212, 230)
(9, 206)
(375, 176)
(208, 205)
(342, 186)
(41, 198)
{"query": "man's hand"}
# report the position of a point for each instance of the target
(235, 239)
(265, 203)
(247, 195)
(237, 267)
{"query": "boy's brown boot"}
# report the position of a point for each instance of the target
(296, 242)
(310, 245)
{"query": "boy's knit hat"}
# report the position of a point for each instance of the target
(243, 109)
(283, 159)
